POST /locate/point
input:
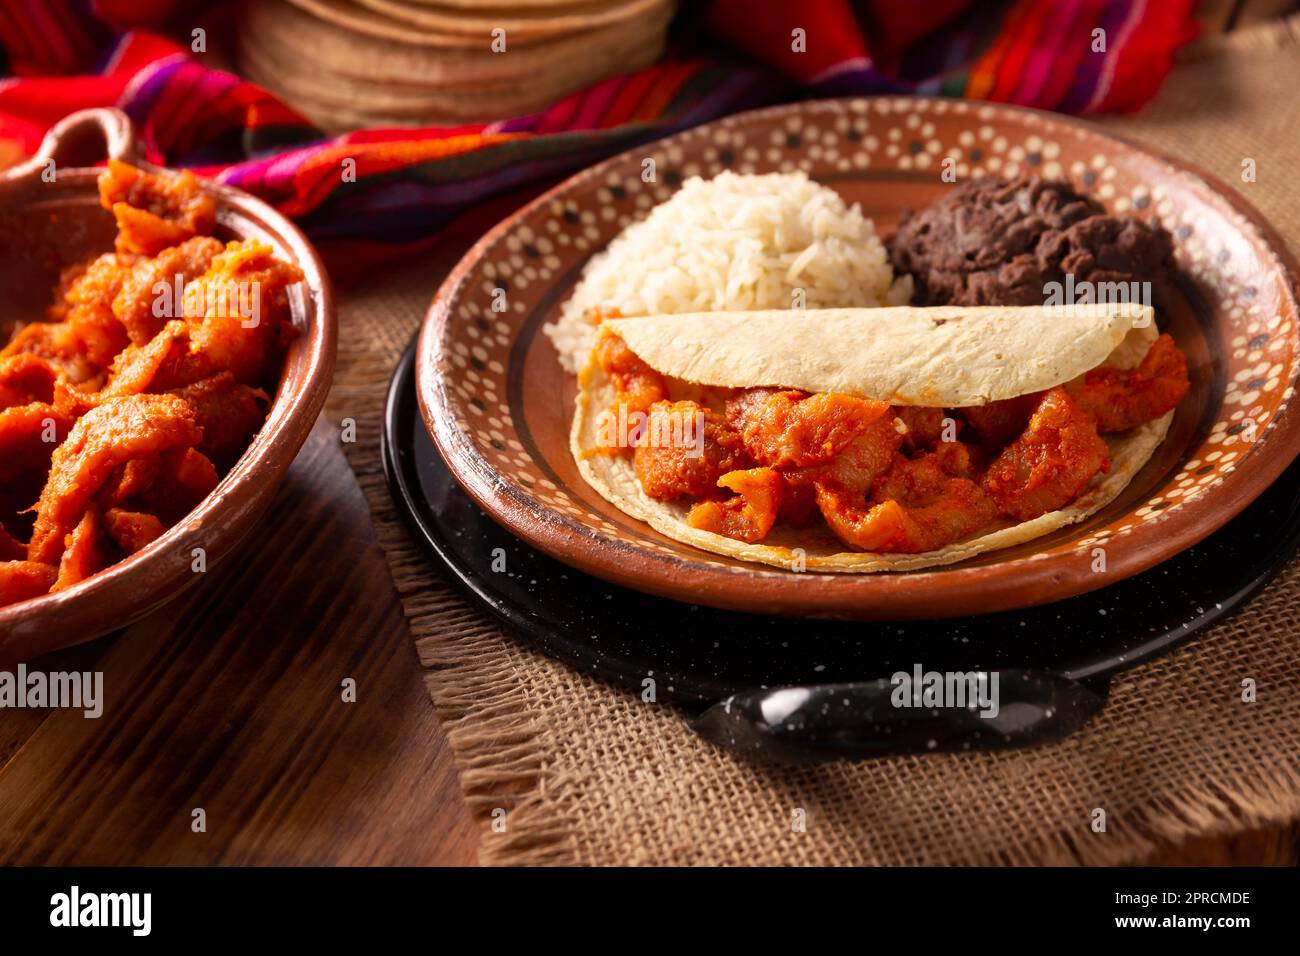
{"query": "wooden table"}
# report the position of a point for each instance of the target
(230, 700)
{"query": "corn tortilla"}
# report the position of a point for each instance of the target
(823, 363)
(942, 357)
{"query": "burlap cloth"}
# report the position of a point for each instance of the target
(590, 775)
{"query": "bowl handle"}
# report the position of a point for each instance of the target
(83, 138)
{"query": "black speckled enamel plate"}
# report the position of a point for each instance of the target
(698, 655)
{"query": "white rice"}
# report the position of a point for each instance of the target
(731, 243)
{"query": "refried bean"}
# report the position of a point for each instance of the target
(1000, 242)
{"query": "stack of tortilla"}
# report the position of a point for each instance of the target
(346, 64)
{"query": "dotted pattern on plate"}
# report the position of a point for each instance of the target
(838, 137)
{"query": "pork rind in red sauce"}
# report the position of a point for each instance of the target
(145, 383)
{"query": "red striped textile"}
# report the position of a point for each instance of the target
(63, 55)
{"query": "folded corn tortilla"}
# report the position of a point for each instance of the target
(945, 357)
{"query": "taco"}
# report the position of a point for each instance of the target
(863, 440)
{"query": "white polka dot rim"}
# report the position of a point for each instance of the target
(499, 405)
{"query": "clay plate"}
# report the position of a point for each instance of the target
(498, 405)
(45, 226)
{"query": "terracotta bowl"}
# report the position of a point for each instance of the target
(45, 226)
(499, 406)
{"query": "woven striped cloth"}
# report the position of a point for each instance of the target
(62, 55)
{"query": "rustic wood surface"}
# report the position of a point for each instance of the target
(231, 700)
